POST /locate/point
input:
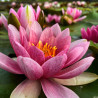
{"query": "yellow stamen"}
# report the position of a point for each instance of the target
(47, 49)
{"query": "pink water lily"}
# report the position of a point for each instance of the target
(90, 34)
(43, 56)
(55, 17)
(26, 15)
(75, 14)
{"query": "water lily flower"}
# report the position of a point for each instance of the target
(55, 17)
(25, 15)
(55, 4)
(47, 5)
(44, 56)
(13, 4)
(90, 34)
(75, 14)
(69, 4)
(79, 3)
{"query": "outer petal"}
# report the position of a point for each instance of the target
(37, 54)
(74, 55)
(65, 32)
(27, 89)
(79, 19)
(56, 29)
(77, 42)
(82, 79)
(84, 33)
(14, 12)
(30, 68)
(80, 43)
(38, 12)
(62, 42)
(75, 69)
(54, 90)
(24, 38)
(22, 34)
(19, 49)
(13, 33)
(20, 11)
(0, 21)
(53, 65)
(4, 21)
(9, 64)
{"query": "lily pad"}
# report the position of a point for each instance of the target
(75, 29)
(92, 17)
(5, 46)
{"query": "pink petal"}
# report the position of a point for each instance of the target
(20, 11)
(23, 38)
(30, 68)
(27, 16)
(4, 21)
(19, 49)
(47, 36)
(53, 65)
(13, 33)
(73, 55)
(79, 19)
(89, 33)
(66, 32)
(63, 11)
(0, 21)
(79, 43)
(56, 29)
(27, 89)
(94, 35)
(38, 13)
(55, 90)
(36, 28)
(84, 33)
(9, 64)
(22, 34)
(36, 54)
(25, 43)
(33, 37)
(76, 69)
(49, 18)
(62, 42)
(14, 12)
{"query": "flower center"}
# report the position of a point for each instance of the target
(47, 49)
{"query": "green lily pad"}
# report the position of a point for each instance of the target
(75, 29)
(8, 82)
(94, 48)
(92, 17)
(5, 46)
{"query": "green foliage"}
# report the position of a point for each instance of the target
(92, 17)
(94, 48)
